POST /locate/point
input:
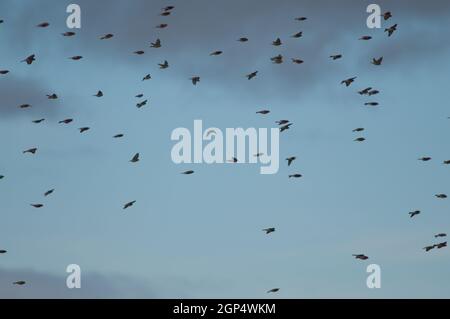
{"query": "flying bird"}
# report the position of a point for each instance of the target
(428, 248)
(4, 72)
(68, 34)
(440, 235)
(19, 283)
(414, 213)
(301, 18)
(277, 42)
(359, 139)
(84, 129)
(195, 80)
(31, 150)
(447, 162)
(360, 256)
(365, 37)
(373, 92)
(365, 91)
(251, 75)
(66, 121)
(349, 81)
(29, 60)
(25, 106)
(37, 205)
(377, 61)
(216, 53)
(135, 158)
(441, 196)
(140, 52)
(233, 160)
(99, 94)
(285, 127)
(2, 251)
(297, 35)
(162, 26)
(243, 39)
(425, 159)
(358, 129)
(141, 104)
(168, 8)
(156, 44)
(188, 172)
(282, 122)
(164, 65)
(106, 36)
(295, 175)
(371, 104)
(336, 56)
(129, 204)
(49, 192)
(165, 13)
(118, 136)
(441, 245)
(269, 230)
(263, 112)
(391, 30)
(52, 96)
(277, 59)
(43, 25)
(387, 15)
(273, 290)
(38, 121)
(139, 95)
(76, 57)
(147, 77)
(290, 160)
(297, 61)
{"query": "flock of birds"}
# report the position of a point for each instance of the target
(283, 124)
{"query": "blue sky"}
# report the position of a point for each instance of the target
(200, 236)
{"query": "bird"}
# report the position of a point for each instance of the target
(297, 61)
(251, 75)
(441, 196)
(66, 121)
(43, 25)
(19, 283)
(263, 112)
(269, 230)
(195, 80)
(277, 59)
(165, 13)
(76, 57)
(285, 127)
(377, 61)
(441, 245)
(156, 44)
(37, 205)
(447, 162)
(68, 34)
(424, 159)
(141, 104)
(358, 129)
(297, 35)
(106, 36)
(348, 81)
(2, 176)
(25, 106)
(391, 30)
(84, 129)
(188, 172)
(147, 77)
(428, 248)
(277, 42)
(414, 213)
(387, 15)
(440, 235)
(99, 94)
(373, 92)
(49, 192)
(139, 95)
(139, 52)
(233, 160)
(29, 60)
(365, 91)
(336, 56)
(360, 256)
(371, 104)
(164, 65)
(168, 8)
(258, 154)
(282, 122)
(290, 160)
(295, 175)
(2, 251)
(1, 21)
(135, 158)
(365, 37)
(118, 136)
(38, 121)
(359, 139)
(162, 26)
(216, 53)
(129, 204)
(31, 150)
(52, 96)
(301, 18)
(243, 39)
(4, 72)
(273, 290)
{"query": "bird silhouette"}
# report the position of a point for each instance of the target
(251, 75)
(295, 176)
(52, 96)
(19, 283)
(106, 36)
(30, 59)
(76, 57)
(277, 42)
(377, 61)
(156, 44)
(37, 205)
(336, 56)
(297, 35)
(365, 37)
(387, 15)
(349, 81)
(66, 121)
(135, 158)
(297, 61)
(49, 192)
(99, 94)
(391, 30)
(147, 77)
(216, 53)
(414, 213)
(269, 230)
(264, 112)
(285, 127)
(243, 39)
(359, 139)
(360, 256)
(441, 196)
(68, 34)
(118, 136)
(195, 80)
(38, 121)
(129, 204)
(3, 72)
(273, 290)
(141, 104)
(30, 150)
(290, 160)
(189, 172)
(163, 65)
(84, 129)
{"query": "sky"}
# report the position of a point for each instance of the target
(200, 235)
